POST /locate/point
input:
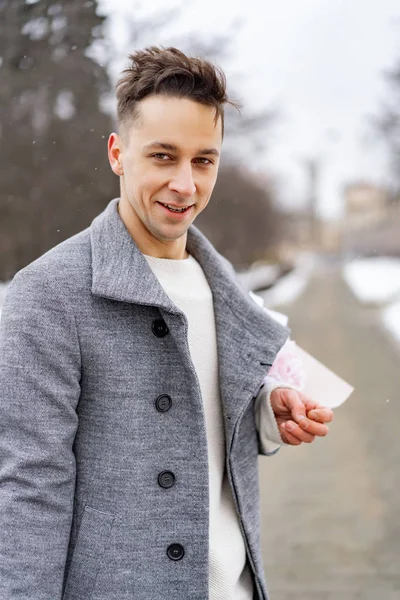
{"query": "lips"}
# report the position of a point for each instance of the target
(175, 209)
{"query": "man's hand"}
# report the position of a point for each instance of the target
(299, 418)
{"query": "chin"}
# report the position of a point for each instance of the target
(167, 236)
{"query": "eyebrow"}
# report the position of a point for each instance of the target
(172, 148)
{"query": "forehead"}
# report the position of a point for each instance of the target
(178, 121)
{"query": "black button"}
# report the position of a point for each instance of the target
(163, 403)
(175, 552)
(166, 479)
(159, 328)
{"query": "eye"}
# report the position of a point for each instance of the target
(160, 156)
(204, 161)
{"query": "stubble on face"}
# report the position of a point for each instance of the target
(170, 156)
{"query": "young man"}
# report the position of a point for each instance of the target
(132, 409)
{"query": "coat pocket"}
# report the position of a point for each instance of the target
(93, 534)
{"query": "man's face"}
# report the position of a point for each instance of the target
(169, 158)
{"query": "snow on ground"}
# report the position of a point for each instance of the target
(391, 319)
(289, 287)
(373, 280)
(377, 281)
(258, 276)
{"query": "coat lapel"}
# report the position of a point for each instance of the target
(248, 338)
(119, 270)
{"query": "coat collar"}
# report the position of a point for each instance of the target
(246, 333)
(119, 270)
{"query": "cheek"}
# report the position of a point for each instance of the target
(151, 182)
(144, 185)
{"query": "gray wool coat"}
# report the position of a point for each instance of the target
(98, 398)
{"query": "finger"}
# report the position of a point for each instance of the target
(298, 432)
(313, 427)
(294, 403)
(311, 405)
(288, 438)
(320, 414)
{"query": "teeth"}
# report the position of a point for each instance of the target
(175, 209)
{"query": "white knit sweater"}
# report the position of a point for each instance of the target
(186, 285)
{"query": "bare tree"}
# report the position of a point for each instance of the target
(54, 172)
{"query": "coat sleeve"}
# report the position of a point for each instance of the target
(39, 392)
(286, 372)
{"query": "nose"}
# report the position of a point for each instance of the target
(182, 183)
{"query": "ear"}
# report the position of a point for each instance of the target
(115, 154)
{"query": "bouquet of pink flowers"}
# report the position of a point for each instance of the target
(288, 366)
(294, 366)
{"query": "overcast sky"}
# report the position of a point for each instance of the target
(318, 61)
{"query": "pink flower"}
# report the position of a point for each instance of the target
(288, 367)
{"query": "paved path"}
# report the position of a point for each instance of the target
(331, 510)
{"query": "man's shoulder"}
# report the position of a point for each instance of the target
(64, 268)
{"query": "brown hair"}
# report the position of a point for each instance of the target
(169, 72)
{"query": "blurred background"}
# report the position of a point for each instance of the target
(307, 207)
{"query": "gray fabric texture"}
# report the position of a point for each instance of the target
(82, 516)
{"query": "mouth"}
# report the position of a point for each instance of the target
(175, 210)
